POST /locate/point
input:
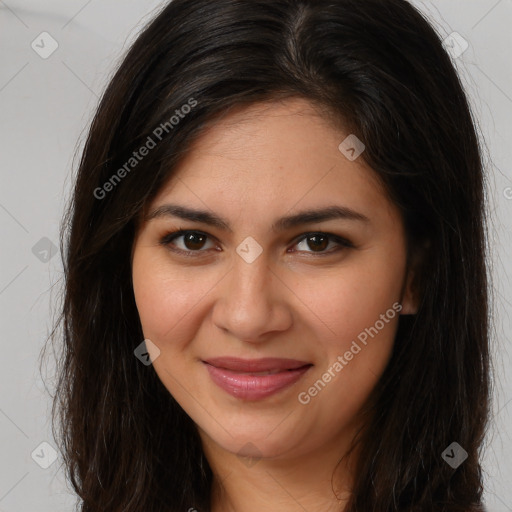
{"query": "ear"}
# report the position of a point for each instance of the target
(411, 291)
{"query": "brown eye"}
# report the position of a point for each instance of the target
(193, 241)
(319, 242)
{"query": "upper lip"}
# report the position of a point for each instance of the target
(256, 365)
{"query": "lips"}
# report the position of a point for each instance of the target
(253, 379)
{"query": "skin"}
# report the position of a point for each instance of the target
(294, 300)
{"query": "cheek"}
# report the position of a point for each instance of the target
(344, 302)
(167, 299)
(358, 309)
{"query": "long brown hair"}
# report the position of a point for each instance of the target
(379, 69)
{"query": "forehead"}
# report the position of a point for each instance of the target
(276, 155)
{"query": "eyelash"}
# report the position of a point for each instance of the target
(168, 238)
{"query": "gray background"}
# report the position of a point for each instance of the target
(46, 105)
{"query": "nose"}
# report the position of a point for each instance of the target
(252, 301)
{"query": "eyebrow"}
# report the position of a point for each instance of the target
(281, 224)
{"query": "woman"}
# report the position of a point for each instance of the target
(276, 289)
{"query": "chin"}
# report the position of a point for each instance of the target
(245, 442)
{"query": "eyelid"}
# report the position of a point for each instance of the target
(342, 242)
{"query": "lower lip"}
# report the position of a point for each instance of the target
(254, 387)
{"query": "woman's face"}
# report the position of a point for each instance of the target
(255, 277)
